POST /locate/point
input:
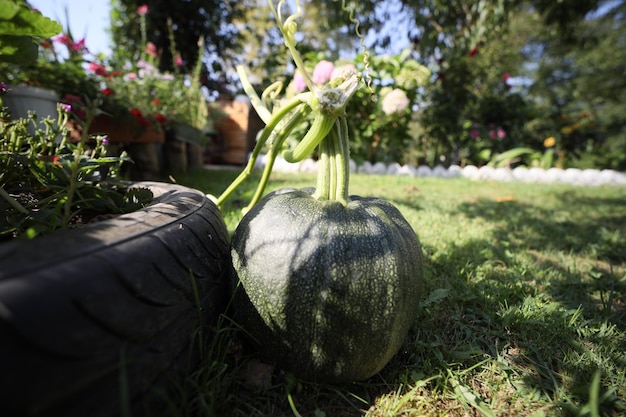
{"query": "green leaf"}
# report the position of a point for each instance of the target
(17, 49)
(27, 22)
(19, 24)
(8, 9)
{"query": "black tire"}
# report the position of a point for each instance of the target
(94, 319)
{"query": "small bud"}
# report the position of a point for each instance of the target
(332, 101)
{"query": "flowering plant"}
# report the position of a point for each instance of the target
(47, 182)
(66, 66)
(381, 128)
(153, 97)
(59, 66)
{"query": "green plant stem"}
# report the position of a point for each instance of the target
(12, 202)
(288, 29)
(74, 170)
(332, 157)
(322, 190)
(265, 135)
(343, 161)
(333, 169)
(321, 126)
(276, 147)
(256, 102)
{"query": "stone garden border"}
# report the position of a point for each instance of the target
(573, 176)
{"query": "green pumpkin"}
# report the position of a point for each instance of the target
(329, 290)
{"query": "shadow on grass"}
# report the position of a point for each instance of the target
(532, 227)
(592, 233)
(518, 297)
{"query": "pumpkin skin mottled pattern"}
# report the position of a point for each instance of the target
(330, 291)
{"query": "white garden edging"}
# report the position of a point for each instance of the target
(574, 176)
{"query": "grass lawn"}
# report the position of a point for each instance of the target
(523, 309)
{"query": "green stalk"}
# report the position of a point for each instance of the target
(322, 124)
(74, 170)
(12, 202)
(256, 102)
(282, 135)
(332, 157)
(322, 190)
(333, 168)
(343, 161)
(265, 135)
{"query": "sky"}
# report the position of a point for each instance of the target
(88, 19)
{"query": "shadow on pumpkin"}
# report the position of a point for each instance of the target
(359, 315)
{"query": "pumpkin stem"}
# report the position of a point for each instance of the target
(333, 167)
(343, 160)
(322, 190)
(277, 145)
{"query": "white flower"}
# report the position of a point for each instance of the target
(343, 70)
(395, 101)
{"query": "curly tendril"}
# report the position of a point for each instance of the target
(364, 50)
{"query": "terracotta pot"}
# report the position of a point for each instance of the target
(234, 128)
(129, 132)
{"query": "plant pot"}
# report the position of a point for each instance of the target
(20, 99)
(174, 155)
(233, 128)
(189, 134)
(183, 148)
(111, 310)
(127, 132)
(141, 143)
(195, 158)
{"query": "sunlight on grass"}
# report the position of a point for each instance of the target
(523, 310)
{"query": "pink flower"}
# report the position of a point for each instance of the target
(474, 133)
(178, 60)
(67, 108)
(492, 134)
(79, 46)
(500, 133)
(151, 49)
(395, 101)
(97, 69)
(131, 76)
(64, 39)
(143, 10)
(299, 85)
(322, 72)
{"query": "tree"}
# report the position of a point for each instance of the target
(580, 82)
(323, 27)
(471, 45)
(191, 20)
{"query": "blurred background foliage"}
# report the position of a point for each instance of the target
(504, 74)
